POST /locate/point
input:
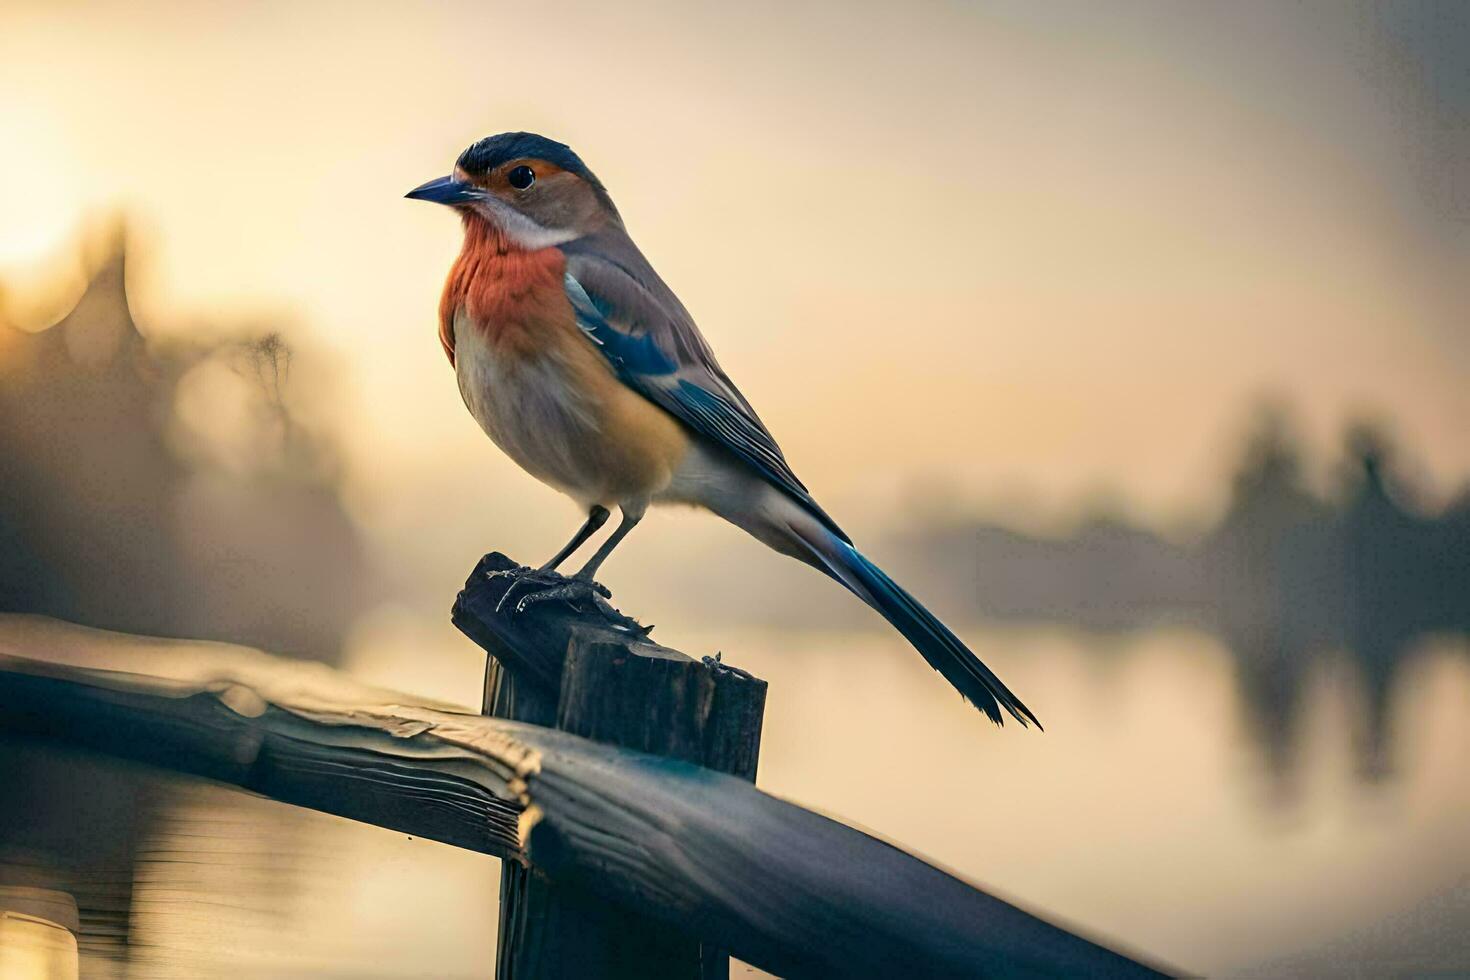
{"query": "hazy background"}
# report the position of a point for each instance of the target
(1136, 336)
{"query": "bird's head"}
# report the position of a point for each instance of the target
(535, 190)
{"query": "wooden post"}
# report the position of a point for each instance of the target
(553, 666)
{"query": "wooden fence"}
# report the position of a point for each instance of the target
(613, 776)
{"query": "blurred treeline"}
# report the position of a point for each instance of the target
(1289, 578)
(1283, 556)
(170, 488)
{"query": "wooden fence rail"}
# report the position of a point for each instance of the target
(703, 853)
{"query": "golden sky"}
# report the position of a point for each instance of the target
(1022, 248)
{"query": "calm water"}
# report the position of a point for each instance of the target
(1150, 813)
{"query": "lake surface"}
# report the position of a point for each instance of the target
(1157, 812)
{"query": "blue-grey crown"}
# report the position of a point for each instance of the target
(487, 154)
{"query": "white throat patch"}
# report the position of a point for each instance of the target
(518, 228)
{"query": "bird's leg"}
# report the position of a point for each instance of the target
(582, 587)
(596, 517)
(547, 575)
(631, 517)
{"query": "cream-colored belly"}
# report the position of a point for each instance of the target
(561, 415)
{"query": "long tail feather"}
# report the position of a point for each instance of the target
(934, 641)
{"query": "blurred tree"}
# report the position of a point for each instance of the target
(170, 489)
(163, 489)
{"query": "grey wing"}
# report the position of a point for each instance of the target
(653, 345)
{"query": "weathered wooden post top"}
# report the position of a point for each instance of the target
(601, 677)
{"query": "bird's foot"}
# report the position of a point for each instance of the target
(536, 583)
(579, 593)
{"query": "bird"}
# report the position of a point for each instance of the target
(582, 365)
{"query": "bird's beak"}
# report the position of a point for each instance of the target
(445, 190)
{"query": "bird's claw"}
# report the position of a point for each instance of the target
(524, 575)
(573, 591)
(570, 591)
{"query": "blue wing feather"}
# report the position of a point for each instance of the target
(630, 355)
(646, 367)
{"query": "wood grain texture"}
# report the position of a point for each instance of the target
(703, 852)
(698, 711)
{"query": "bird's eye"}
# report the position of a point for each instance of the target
(521, 177)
